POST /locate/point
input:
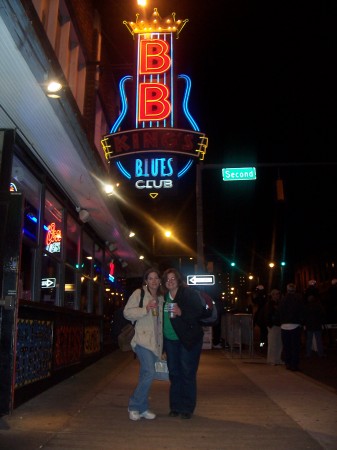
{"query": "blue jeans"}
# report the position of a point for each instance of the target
(183, 366)
(139, 398)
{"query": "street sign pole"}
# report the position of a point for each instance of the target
(200, 266)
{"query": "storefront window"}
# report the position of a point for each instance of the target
(22, 180)
(64, 276)
(87, 255)
(86, 295)
(72, 242)
(53, 225)
(70, 288)
(98, 264)
(50, 274)
(52, 245)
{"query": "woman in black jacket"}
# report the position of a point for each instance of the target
(183, 339)
(314, 318)
(272, 318)
(291, 311)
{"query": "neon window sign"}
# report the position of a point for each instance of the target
(53, 239)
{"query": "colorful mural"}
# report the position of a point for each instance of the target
(33, 351)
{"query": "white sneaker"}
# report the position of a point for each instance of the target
(147, 415)
(134, 415)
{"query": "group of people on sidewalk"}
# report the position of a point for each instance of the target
(282, 319)
(166, 324)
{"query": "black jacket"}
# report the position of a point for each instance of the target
(291, 309)
(272, 314)
(314, 316)
(187, 326)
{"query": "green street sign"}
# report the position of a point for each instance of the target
(239, 173)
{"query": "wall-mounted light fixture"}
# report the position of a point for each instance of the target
(84, 215)
(123, 263)
(53, 89)
(111, 246)
(110, 189)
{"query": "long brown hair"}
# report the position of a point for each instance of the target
(146, 275)
(176, 273)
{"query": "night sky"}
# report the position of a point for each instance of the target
(264, 93)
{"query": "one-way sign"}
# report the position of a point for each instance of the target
(48, 282)
(200, 279)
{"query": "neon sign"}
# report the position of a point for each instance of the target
(53, 239)
(155, 154)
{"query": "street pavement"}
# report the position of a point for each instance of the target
(243, 403)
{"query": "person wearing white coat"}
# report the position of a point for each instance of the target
(147, 342)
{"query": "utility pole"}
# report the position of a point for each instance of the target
(200, 266)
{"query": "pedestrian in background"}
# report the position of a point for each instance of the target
(331, 303)
(311, 289)
(314, 319)
(272, 317)
(147, 342)
(330, 306)
(291, 312)
(259, 299)
(183, 339)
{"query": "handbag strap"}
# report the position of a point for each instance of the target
(142, 293)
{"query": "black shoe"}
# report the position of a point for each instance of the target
(173, 414)
(186, 415)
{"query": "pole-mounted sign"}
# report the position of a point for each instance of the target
(206, 280)
(155, 154)
(48, 282)
(239, 173)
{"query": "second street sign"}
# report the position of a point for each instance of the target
(200, 280)
(239, 173)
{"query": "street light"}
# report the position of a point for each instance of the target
(167, 233)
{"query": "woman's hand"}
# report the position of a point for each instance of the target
(151, 305)
(176, 310)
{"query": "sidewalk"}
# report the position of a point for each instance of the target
(242, 403)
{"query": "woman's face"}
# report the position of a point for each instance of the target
(153, 280)
(171, 281)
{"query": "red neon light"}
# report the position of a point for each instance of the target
(153, 56)
(112, 268)
(153, 102)
(53, 235)
(154, 80)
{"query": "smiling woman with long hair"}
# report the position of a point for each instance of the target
(183, 339)
(147, 342)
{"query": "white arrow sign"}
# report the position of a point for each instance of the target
(200, 279)
(48, 282)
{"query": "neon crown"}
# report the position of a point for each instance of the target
(156, 24)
